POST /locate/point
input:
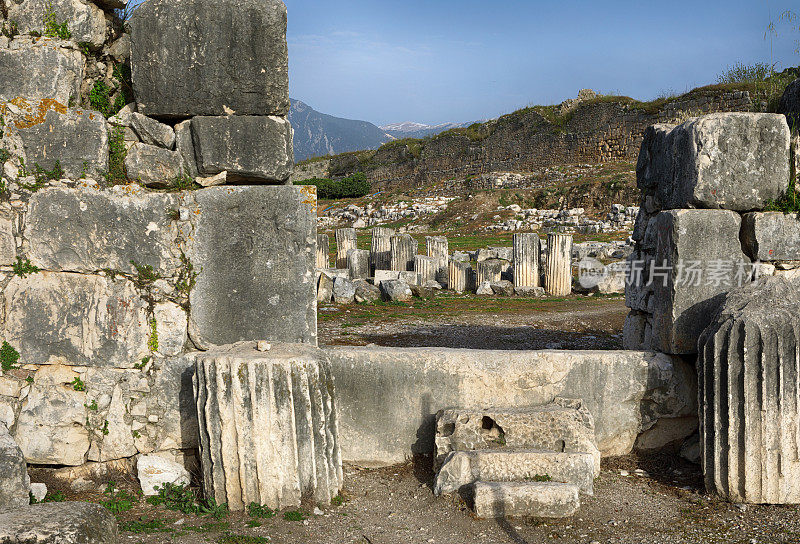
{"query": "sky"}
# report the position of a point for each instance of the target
(436, 61)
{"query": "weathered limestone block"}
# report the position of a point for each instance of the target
(504, 253)
(358, 263)
(325, 287)
(255, 250)
(564, 426)
(59, 523)
(8, 245)
(558, 273)
(524, 499)
(527, 248)
(749, 414)
(790, 104)
(705, 240)
(344, 291)
(50, 132)
(14, 480)
(156, 470)
(345, 241)
(171, 328)
(41, 71)
(87, 230)
(153, 166)
(396, 291)
(403, 249)
(489, 271)
(249, 148)
(439, 249)
(366, 292)
(83, 320)
(771, 236)
(625, 391)
(734, 161)
(50, 428)
(381, 249)
(85, 21)
(462, 468)
(205, 57)
(184, 145)
(268, 426)
(170, 399)
(426, 269)
(152, 132)
(323, 251)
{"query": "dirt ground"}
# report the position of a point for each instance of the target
(636, 501)
(448, 320)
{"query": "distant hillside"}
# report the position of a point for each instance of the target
(418, 130)
(318, 134)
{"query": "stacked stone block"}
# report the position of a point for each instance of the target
(700, 183)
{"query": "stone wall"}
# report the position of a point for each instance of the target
(597, 131)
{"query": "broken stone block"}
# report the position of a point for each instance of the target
(254, 250)
(8, 245)
(503, 288)
(396, 291)
(270, 436)
(152, 132)
(358, 264)
(563, 426)
(366, 292)
(771, 236)
(172, 401)
(50, 429)
(155, 470)
(249, 148)
(84, 320)
(524, 499)
(171, 328)
(245, 76)
(344, 291)
(325, 288)
(85, 21)
(462, 468)
(41, 71)
(59, 523)
(108, 229)
(154, 166)
(748, 390)
(50, 133)
(14, 480)
(323, 251)
(685, 300)
(184, 145)
(484, 289)
(732, 161)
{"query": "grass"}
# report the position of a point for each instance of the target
(242, 539)
(789, 202)
(118, 500)
(181, 498)
(145, 526)
(117, 174)
(255, 510)
(295, 515)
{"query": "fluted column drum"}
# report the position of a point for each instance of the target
(426, 268)
(404, 249)
(358, 264)
(323, 251)
(558, 274)
(345, 241)
(490, 271)
(459, 276)
(438, 248)
(381, 251)
(526, 260)
(268, 425)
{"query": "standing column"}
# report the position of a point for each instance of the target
(323, 251)
(490, 271)
(558, 275)
(459, 276)
(526, 260)
(345, 241)
(426, 268)
(403, 250)
(439, 250)
(358, 264)
(381, 253)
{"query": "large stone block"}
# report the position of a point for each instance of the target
(59, 523)
(88, 230)
(14, 481)
(41, 71)
(268, 427)
(50, 132)
(254, 248)
(154, 166)
(733, 161)
(85, 21)
(626, 392)
(210, 57)
(524, 499)
(249, 148)
(699, 258)
(749, 413)
(771, 236)
(83, 320)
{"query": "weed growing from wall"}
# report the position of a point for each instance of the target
(52, 28)
(117, 153)
(8, 357)
(24, 267)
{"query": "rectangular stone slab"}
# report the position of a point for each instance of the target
(41, 71)
(771, 236)
(524, 499)
(254, 251)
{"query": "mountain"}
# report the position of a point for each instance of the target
(317, 134)
(418, 130)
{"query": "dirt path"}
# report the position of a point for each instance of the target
(479, 323)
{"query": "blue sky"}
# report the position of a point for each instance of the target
(440, 60)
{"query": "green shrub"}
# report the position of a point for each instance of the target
(117, 174)
(23, 267)
(354, 186)
(118, 500)
(8, 356)
(52, 28)
(100, 98)
(181, 498)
